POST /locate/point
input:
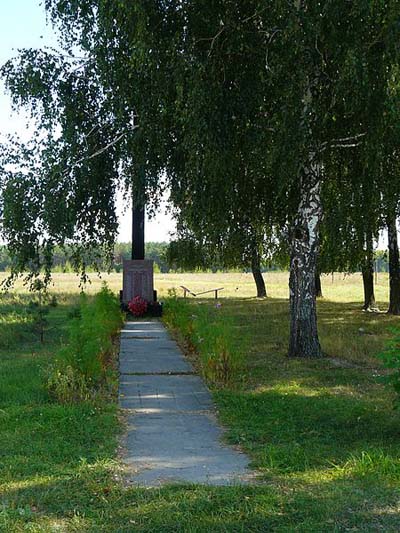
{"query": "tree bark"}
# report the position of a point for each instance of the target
(258, 277)
(304, 340)
(394, 267)
(368, 276)
(369, 296)
(318, 286)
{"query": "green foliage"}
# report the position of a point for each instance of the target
(210, 334)
(39, 307)
(5, 261)
(38, 312)
(67, 384)
(391, 360)
(381, 261)
(81, 365)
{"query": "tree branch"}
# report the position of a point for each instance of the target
(344, 142)
(101, 150)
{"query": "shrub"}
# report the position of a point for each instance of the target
(68, 385)
(81, 365)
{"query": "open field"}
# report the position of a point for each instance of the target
(322, 434)
(339, 288)
(340, 318)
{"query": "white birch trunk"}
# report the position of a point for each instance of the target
(304, 340)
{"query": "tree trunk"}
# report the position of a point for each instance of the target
(304, 340)
(318, 287)
(394, 267)
(258, 277)
(368, 276)
(369, 296)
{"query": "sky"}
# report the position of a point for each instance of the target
(23, 25)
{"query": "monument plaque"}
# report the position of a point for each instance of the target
(137, 280)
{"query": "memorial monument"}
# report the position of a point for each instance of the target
(138, 271)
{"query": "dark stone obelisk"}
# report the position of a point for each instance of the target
(138, 272)
(138, 233)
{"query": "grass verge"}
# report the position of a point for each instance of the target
(323, 434)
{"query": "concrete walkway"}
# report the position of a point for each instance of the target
(173, 436)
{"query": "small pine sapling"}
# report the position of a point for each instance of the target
(39, 310)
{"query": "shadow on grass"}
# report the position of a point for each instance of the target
(346, 332)
(89, 500)
(290, 432)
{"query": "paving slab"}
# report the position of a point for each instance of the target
(146, 347)
(164, 394)
(151, 357)
(179, 447)
(173, 434)
(145, 328)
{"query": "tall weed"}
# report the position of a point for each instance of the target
(211, 334)
(81, 365)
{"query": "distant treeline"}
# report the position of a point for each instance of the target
(158, 252)
(61, 258)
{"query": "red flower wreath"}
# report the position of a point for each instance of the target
(138, 306)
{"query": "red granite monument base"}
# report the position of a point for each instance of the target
(138, 280)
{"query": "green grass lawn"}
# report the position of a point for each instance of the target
(322, 434)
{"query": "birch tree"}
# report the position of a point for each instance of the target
(284, 86)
